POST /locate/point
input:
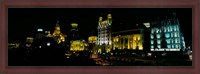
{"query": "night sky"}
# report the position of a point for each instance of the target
(23, 22)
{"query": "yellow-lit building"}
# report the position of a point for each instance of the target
(92, 39)
(57, 34)
(29, 41)
(13, 45)
(78, 45)
(129, 41)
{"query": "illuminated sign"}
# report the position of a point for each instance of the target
(165, 49)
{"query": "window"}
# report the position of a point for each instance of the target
(168, 41)
(175, 34)
(168, 30)
(158, 36)
(151, 36)
(175, 40)
(168, 46)
(159, 46)
(165, 29)
(176, 46)
(151, 41)
(172, 35)
(152, 30)
(152, 47)
(172, 46)
(167, 35)
(158, 41)
(175, 28)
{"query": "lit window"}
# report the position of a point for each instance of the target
(152, 31)
(172, 46)
(167, 35)
(165, 30)
(170, 28)
(168, 41)
(176, 46)
(158, 35)
(151, 36)
(172, 35)
(177, 28)
(172, 41)
(168, 46)
(152, 47)
(174, 28)
(157, 30)
(175, 34)
(159, 46)
(151, 41)
(176, 40)
(158, 41)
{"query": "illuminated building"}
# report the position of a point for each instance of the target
(47, 32)
(40, 33)
(92, 39)
(104, 40)
(13, 45)
(74, 32)
(166, 34)
(78, 45)
(104, 31)
(57, 34)
(130, 39)
(75, 43)
(29, 41)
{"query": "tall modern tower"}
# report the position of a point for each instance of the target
(104, 31)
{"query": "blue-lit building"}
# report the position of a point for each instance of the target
(166, 34)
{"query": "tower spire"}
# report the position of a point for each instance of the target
(57, 23)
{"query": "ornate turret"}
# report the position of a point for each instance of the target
(109, 19)
(57, 34)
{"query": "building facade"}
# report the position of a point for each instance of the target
(57, 34)
(40, 33)
(104, 31)
(104, 39)
(76, 44)
(132, 39)
(92, 42)
(166, 34)
(74, 32)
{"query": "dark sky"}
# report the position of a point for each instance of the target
(23, 22)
